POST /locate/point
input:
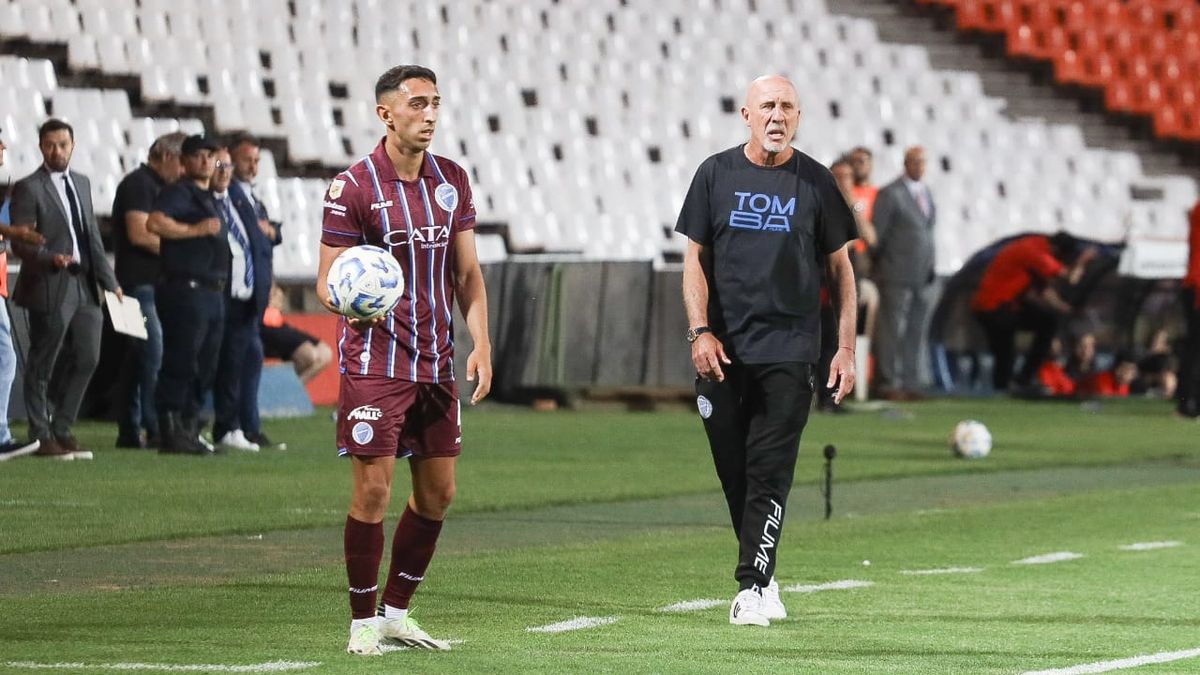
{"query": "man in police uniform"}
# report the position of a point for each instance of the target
(764, 222)
(189, 295)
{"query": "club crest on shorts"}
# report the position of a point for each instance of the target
(362, 433)
(335, 188)
(446, 196)
(705, 406)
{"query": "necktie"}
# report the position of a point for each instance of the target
(242, 241)
(923, 200)
(81, 236)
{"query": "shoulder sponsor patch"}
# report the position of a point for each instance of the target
(705, 406)
(335, 188)
(446, 196)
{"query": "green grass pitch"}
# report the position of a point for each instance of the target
(139, 561)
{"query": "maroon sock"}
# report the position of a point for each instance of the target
(412, 548)
(364, 549)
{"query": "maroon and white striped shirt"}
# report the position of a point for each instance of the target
(417, 221)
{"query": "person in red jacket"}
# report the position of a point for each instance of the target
(1189, 374)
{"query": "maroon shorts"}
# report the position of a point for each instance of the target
(385, 417)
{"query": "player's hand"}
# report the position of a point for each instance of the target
(364, 324)
(707, 355)
(208, 227)
(841, 368)
(479, 364)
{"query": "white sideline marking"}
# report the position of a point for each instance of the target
(944, 570)
(1150, 545)
(831, 586)
(692, 605)
(574, 624)
(269, 667)
(1048, 558)
(1120, 664)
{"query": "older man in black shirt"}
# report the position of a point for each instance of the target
(136, 248)
(189, 295)
(765, 221)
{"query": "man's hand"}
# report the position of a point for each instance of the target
(707, 355)
(265, 226)
(841, 368)
(208, 227)
(119, 293)
(26, 235)
(61, 261)
(479, 364)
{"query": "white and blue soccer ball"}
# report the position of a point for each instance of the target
(971, 440)
(365, 282)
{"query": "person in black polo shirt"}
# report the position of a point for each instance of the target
(136, 250)
(764, 221)
(189, 295)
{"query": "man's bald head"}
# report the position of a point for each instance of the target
(772, 111)
(914, 162)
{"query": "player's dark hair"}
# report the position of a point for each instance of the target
(394, 77)
(54, 124)
(241, 138)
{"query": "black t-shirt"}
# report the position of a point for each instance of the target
(135, 265)
(206, 257)
(770, 229)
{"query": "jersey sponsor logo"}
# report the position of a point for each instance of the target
(365, 412)
(375, 206)
(446, 196)
(334, 206)
(430, 236)
(335, 188)
(762, 557)
(758, 211)
(362, 433)
(705, 406)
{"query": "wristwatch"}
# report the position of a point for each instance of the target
(694, 333)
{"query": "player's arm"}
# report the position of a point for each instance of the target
(324, 261)
(707, 351)
(845, 302)
(139, 233)
(166, 227)
(472, 298)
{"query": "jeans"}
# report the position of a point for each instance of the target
(8, 371)
(145, 359)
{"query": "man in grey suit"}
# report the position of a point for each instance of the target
(60, 285)
(904, 219)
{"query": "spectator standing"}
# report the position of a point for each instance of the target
(189, 296)
(904, 217)
(10, 448)
(862, 162)
(245, 152)
(1189, 374)
(136, 250)
(245, 299)
(60, 284)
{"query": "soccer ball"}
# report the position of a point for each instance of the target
(365, 282)
(971, 440)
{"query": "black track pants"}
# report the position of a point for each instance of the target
(754, 420)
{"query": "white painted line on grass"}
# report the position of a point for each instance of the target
(1120, 664)
(1150, 545)
(1048, 558)
(831, 586)
(577, 623)
(944, 570)
(693, 605)
(269, 667)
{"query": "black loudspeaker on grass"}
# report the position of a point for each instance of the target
(830, 453)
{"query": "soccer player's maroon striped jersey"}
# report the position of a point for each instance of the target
(417, 222)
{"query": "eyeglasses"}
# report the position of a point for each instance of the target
(221, 166)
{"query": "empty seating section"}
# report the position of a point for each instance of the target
(580, 121)
(1144, 53)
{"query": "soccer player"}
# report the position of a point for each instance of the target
(764, 221)
(398, 396)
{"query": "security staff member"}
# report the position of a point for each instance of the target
(764, 222)
(189, 295)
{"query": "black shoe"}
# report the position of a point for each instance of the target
(264, 442)
(15, 449)
(136, 442)
(177, 439)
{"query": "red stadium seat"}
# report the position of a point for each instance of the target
(1020, 41)
(1068, 68)
(1118, 96)
(1166, 122)
(970, 15)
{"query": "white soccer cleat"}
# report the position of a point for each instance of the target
(772, 605)
(364, 640)
(236, 440)
(408, 633)
(747, 609)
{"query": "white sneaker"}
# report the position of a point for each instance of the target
(408, 633)
(747, 609)
(772, 605)
(236, 440)
(364, 640)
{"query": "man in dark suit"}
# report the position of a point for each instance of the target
(60, 284)
(245, 300)
(904, 220)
